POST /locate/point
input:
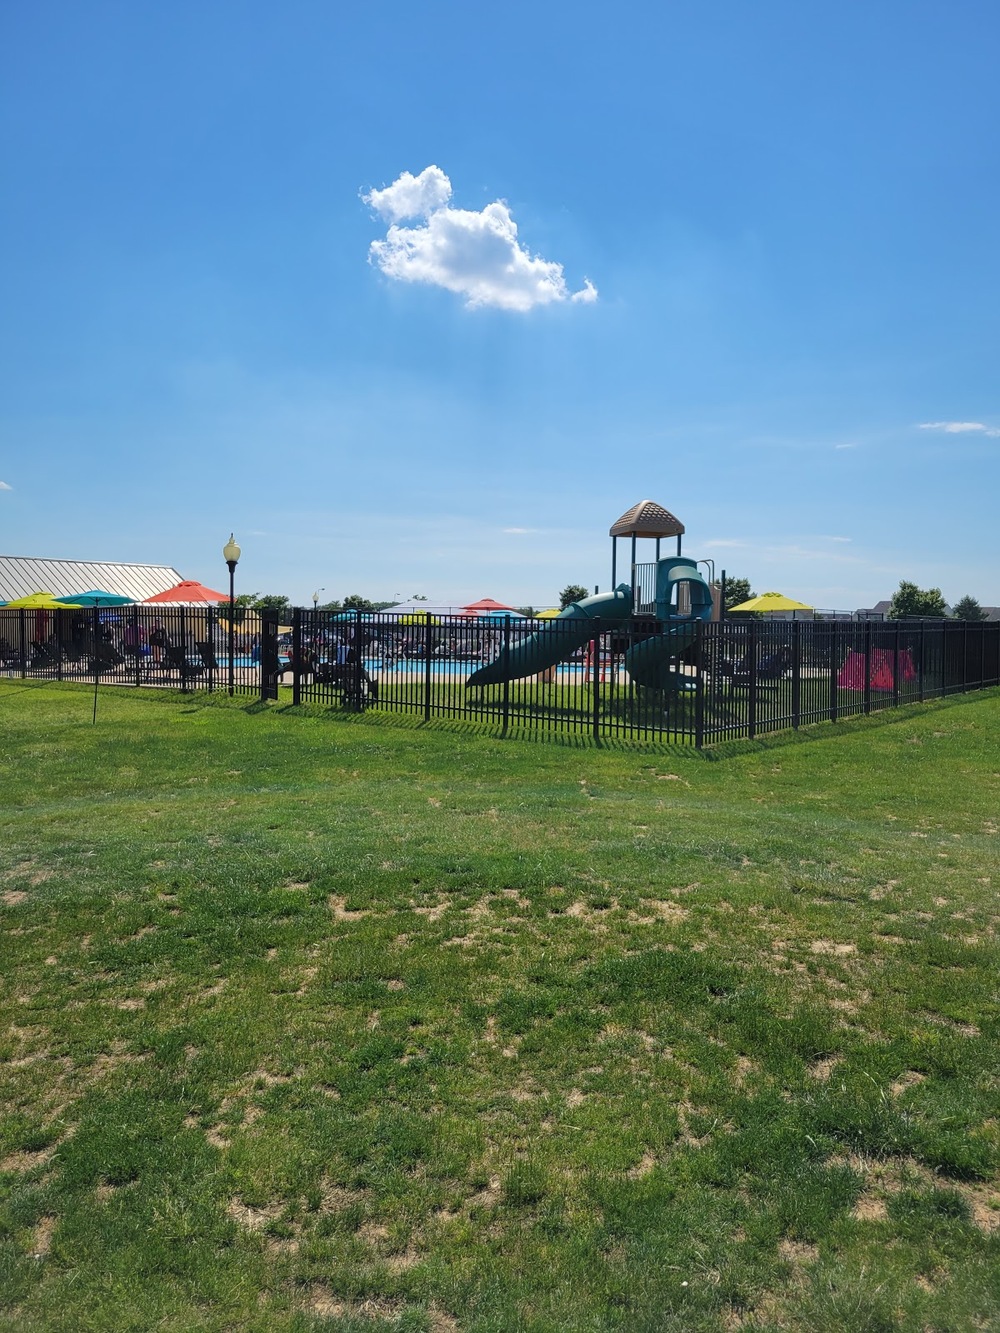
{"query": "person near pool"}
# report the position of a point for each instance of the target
(356, 661)
(158, 640)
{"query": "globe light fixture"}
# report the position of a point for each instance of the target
(231, 554)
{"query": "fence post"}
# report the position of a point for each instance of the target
(835, 635)
(184, 647)
(944, 657)
(296, 655)
(22, 642)
(57, 617)
(95, 629)
(505, 658)
(427, 666)
(752, 691)
(699, 685)
(595, 663)
(796, 673)
(965, 656)
(895, 667)
(868, 666)
(923, 659)
(359, 665)
(982, 656)
(137, 640)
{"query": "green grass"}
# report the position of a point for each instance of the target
(349, 1024)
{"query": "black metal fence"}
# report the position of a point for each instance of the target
(186, 647)
(714, 682)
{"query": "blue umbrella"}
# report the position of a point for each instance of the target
(96, 598)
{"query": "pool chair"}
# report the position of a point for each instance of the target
(177, 660)
(207, 654)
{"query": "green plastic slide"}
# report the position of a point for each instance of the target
(652, 662)
(560, 638)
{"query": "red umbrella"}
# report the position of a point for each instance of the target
(487, 604)
(189, 592)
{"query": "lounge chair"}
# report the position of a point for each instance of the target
(771, 670)
(207, 654)
(44, 657)
(178, 660)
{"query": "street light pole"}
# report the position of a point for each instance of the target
(316, 597)
(231, 555)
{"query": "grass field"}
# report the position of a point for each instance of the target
(349, 1024)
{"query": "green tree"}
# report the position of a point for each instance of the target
(573, 592)
(967, 608)
(909, 601)
(355, 602)
(270, 601)
(737, 591)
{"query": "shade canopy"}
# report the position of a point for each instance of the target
(772, 601)
(417, 618)
(486, 604)
(95, 597)
(647, 519)
(551, 614)
(40, 601)
(189, 592)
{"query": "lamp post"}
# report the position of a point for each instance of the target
(231, 555)
(316, 597)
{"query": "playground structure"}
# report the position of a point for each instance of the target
(660, 606)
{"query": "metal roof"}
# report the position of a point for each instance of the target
(21, 575)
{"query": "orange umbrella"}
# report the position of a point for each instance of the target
(189, 592)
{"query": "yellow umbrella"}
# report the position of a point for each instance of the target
(551, 614)
(42, 601)
(772, 601)
(417, 618)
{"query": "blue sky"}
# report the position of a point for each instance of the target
(779, 222)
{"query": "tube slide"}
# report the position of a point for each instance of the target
(570, 630)
(649, 662)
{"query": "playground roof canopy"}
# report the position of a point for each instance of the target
(647, 519)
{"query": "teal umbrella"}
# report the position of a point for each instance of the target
(96, 598)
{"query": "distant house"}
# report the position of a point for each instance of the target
(21, 575)
(880, 611)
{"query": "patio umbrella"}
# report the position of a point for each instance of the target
(95, 598)
(41, 601)
(772, 601)
(486, 604)
(550, 614)
(189, 592)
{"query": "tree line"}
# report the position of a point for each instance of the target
(908, 601)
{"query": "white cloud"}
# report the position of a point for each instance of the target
(960, 427)
(476, 255)
(5, 487)
(411, 196)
